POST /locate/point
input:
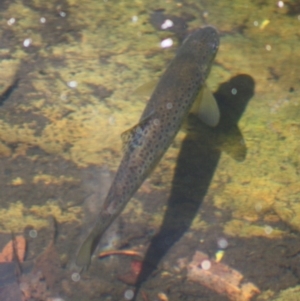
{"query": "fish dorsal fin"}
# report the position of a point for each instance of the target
(126, 136)
(234, 145)
(206, 108)
(133, 136)
(146, 89)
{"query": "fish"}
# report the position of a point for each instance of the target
(180, 90)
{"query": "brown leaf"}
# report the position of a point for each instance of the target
(220, 278)
(17, 245)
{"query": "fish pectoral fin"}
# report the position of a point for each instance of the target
(234, 144)
(133, 136)
(146, 89)
(205, 107)
(126, 137)
(83, 256)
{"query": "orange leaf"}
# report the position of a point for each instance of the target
(18, 245)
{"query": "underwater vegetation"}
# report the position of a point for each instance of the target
(68, 70)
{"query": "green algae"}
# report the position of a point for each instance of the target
(75, 116)
(97, 44)
(290, 294)
(246, 229)
(17, 217)
(127, 54)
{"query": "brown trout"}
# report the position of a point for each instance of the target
(146, 143)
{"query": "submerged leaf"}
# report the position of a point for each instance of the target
(16, 247)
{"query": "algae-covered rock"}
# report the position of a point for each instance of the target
(246, 229)
(17, 217)
(290, 294)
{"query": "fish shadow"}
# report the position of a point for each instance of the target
(197, 161)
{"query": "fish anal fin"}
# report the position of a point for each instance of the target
(205, 107)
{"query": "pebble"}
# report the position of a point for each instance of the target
(167, 24)
(11, 21)
(162, 297)
(72, 84)
(27, 42)
(166, 43)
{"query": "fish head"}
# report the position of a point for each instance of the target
(205, 40)
(203, 46)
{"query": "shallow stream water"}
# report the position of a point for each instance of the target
(68, 70)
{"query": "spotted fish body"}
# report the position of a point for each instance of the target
(162, 118)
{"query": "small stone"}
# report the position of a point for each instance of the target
(166, 43)
(11, 21)
(72, 84)
(27, 42)
(167, 24)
